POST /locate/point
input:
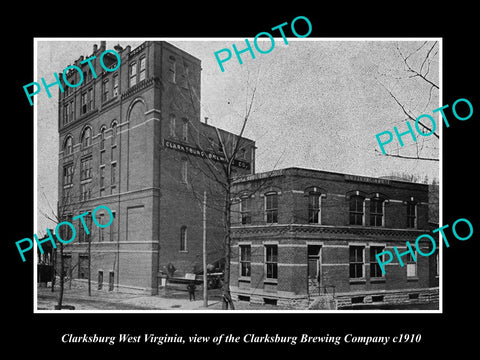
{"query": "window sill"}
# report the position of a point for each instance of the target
(270, 281)
(377, 280)
(412, 278)
(358, 281)
(183, 251)
(245, 279)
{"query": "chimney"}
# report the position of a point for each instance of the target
(103, 45)
(95, 47)
(206, 120)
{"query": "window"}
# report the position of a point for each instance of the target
(411, 265)
(82, 234)
(271, 261)
(101, 234)
(245, 260)
(115, 85)
(72, 111)
(67, 175)
(114, 133)
(314, 208)
(113, 228)
(85, 191)
(245, 210)
(172, 125)
(185, 130)
(133, 74)
(356, 261)
(271, 208)
(411, 215)
(86, 168)
(172, 69)
(142, 69)
(86, 137)
(184, 81)
(105, 90)
(68, 147)
(84, 103)
(102, 176)
(375, 270)
(113, 178)
(376, 212)
(183, 238)
(356, 210)
(66, 113)
(102, 138)
(184, 171)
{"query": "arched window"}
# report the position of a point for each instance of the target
(183, 238)
(68, 146)
(87, 137)
(114, 133)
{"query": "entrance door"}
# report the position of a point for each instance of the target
(314, 269)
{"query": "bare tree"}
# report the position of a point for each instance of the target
(416, 71)
(71, 204)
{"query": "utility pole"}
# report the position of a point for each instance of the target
(205, 281)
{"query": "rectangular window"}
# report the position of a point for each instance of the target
(84, 103)
(82, 234)
(101, 234)
(133, 74)
(66, 113)
(183, 238)
(85, 191)
(271, 208)
(356, 210)
(375, 271)
(72, 111)
(142, 69)
(115, 85)
(90, 99)
(105, 90)
(411, 215)
(376, 212)
(245, 210)
(86, 169)
(67, 175)
(113, 228)
(102, 177)
(185, 130)
(271, 261)
(184, 171)
(113, 178)
(356, 261)
(314, 208)
(411, 265)
(172, 69)
(245, 260)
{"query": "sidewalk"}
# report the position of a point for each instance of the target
(113, 300)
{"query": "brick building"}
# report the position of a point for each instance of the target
(132, 139)
(299, 234)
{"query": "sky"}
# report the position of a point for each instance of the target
(318, 103)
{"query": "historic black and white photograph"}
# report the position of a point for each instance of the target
(226, 174)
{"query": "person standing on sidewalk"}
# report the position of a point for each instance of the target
(191, 290)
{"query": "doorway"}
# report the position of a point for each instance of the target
(314, 269)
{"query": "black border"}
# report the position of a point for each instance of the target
(452, 329)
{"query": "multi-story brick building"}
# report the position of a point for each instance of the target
(132, 139)
(300, 233)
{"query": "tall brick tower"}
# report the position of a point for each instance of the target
(132, 139)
